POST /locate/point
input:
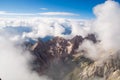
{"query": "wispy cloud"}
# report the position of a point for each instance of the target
(16, 14)
(58, 14)
(5, 13)
(43, 8)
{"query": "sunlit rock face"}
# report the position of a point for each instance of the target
(107, 70)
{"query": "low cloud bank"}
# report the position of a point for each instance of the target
(42, 27)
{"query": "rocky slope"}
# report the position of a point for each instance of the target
(58, 58)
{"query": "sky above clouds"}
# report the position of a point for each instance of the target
(61, 8)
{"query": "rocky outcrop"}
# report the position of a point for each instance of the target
(108, 70)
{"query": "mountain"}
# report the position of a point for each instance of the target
(58, 58)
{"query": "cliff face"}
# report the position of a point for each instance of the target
(58, 58)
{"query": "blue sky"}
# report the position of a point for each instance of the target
(81, 7)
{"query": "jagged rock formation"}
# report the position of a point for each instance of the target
(56, 50)
(58, 58)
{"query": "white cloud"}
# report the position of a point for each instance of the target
(107, 27)
(43, 8)
(58, 14)
(14, 65)
(2, 12)
(107, 23)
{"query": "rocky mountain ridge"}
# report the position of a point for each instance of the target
(58, 58)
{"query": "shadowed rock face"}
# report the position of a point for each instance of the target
(91, 37)
(53, 51)
(58, 48)
(59, 59)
